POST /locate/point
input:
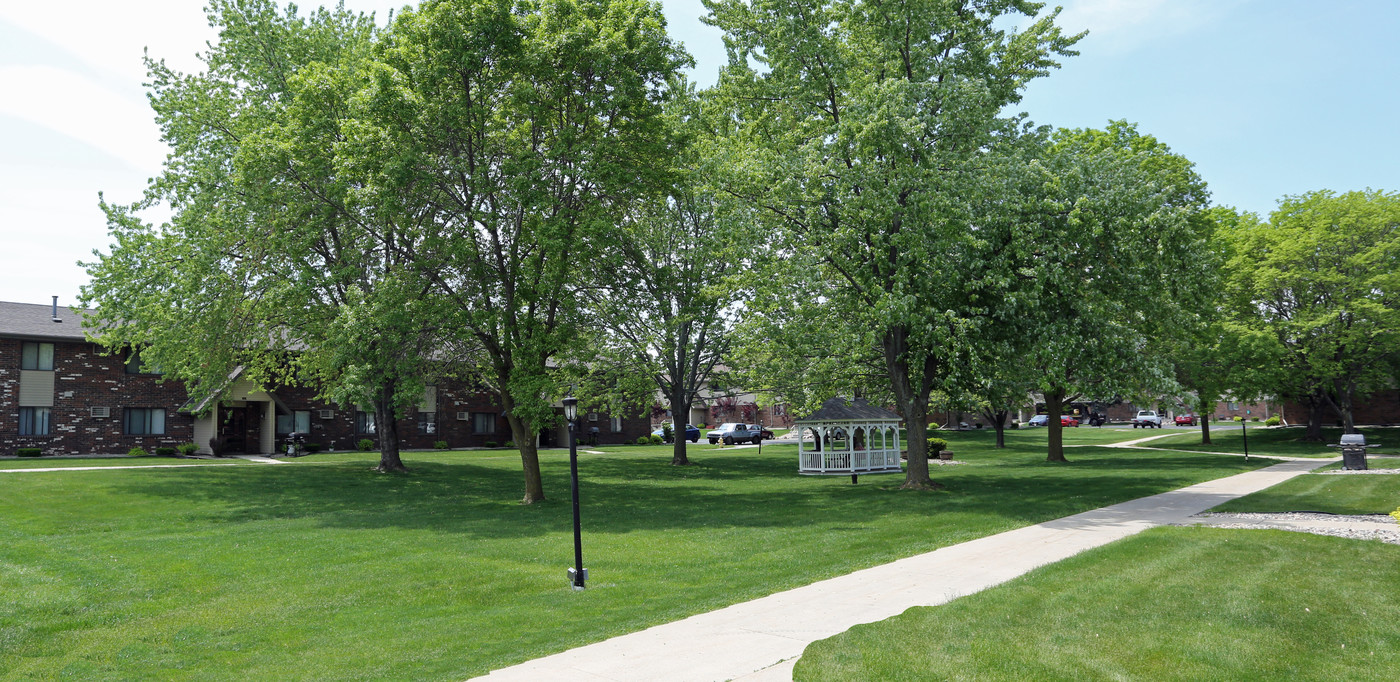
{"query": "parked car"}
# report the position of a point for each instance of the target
(1039, 420)
(692, 433)
(1066, 420)
(734, 432)
(1147, 419)
(1185, 420)
(765, 433)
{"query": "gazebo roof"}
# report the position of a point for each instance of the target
(837, 410)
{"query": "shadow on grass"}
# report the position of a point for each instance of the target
(625, 493)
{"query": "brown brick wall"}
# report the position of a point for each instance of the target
(1381, 408)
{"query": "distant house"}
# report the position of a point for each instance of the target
(62, 394)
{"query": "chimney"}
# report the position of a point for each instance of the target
(55, 310)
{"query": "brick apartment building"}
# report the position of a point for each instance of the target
(65, 395)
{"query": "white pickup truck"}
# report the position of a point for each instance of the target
(1147, 419)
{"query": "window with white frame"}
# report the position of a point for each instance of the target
(427, 423)
(299, 421)
(616, 424)
(144, 421)
(36, 356)
(34, 421)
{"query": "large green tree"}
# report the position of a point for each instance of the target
(269, 262)
(1323, 277)
(864, 128)
(515, 134)
(1119, 258)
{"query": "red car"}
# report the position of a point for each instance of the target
(1066, 420)
(1185, 420)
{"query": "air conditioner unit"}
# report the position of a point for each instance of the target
(325, 414)
(463, 416)
(593, 416)
(101, 412)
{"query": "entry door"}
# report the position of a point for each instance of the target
(233, 429)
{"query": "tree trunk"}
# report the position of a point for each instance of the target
(1054, 406)
(526, 438)
(386, 426)
(998, 421)
(679, 404)
(913, 404)
(1314, 430)
(1204, 410)
(1343, 404)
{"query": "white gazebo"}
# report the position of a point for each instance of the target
(848, 438)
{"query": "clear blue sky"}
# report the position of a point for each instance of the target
(1267, 97)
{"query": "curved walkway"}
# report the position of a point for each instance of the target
(762, 639)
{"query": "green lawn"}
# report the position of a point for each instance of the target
(68, 462)
(1287, 441)
(1168, 604)
(1359, 494)
(323, 568)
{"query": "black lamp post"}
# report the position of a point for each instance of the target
(577, 574)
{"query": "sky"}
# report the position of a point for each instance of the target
(1268, 97)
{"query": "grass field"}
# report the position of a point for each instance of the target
(1168, 604)
(1286, 441)
(1374, 494)
(322, 568)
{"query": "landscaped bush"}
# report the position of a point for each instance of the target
(1273, 421)
(166, 451)
(29, 452)
(655, 439)
(933, 426)
(509, 444)
(188, 449)
(643, 440)
(312, 447)
(1239, 419)
(1015, 425)
(935, 446)
(1396, 514)
(441, 444)
(667, 432)
(365, 445)
(1254, 419)
(137, 452)
(490, 444)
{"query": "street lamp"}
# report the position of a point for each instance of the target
(578, 574)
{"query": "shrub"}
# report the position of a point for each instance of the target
(933, 426)
(935, 446)
(1273, 421)
(1239, 419)
(364, 444)
(29, 452)
(1015, 425)
(490, 443)
(1396, 514)
(166, 451)
(188, 449)
(667, 432)
(655, 440)
(1254, 419)
(312, 447)
(137, 452)
(441, 444)
(643, 440)
(508, 444)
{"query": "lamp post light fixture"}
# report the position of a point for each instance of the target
(578, 574)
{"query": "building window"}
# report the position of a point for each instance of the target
(38, 356)
(364, 423)
(298, 421)
(427, 423)
(33, 421)
(142, 421)
(134, 365)
(616, 424)
(483, 422)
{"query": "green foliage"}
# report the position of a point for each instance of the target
(509, 444)
(1239, 418)
(441, 444)
(667, 433)
(313, 447)
(643, 440)
(490, 444)
(137, 452)
(364, 445)
(1396, 515)
(935, 446)
(188, 449)
(29, 452)
(655, 440)
(1273, 421)
(166, 451)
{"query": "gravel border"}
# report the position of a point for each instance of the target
(1357, 527)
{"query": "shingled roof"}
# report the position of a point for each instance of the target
(838, 410)
(30, 321)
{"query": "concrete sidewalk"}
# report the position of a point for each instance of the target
(762, 639)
